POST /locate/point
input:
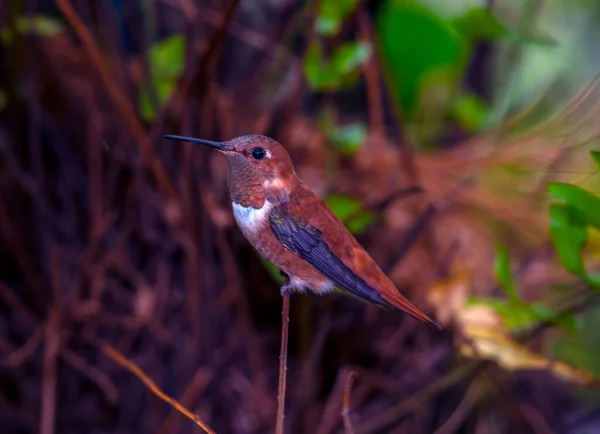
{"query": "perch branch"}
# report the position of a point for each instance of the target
(285, 325)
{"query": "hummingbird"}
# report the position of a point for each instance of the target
(294, 229)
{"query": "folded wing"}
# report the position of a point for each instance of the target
(308, 243)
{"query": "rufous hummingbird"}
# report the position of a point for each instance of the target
(294, 229)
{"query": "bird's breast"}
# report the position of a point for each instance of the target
(254, 224)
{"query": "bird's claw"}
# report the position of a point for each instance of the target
(287, 288)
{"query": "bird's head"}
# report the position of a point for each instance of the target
(254, 160)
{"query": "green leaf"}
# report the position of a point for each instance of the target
(479, 24)
(469, 111)
(565, 321)
(39, 25)
(351, 212)
(596, 157)
(413, 41)
(571, 211)
(166, 57)
(503, 273)
(581, 348)
(166, 62)
(342, 70)
(348, 138)
(568, 236)
(349, 57)
(585, 205)
(313, 65)
(331, 14)
(520, 315)
(514, 315)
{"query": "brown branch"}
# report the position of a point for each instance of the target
(95, 375)
(348, 428)
(413, 402)
(461, 412)
(578, 302)
(48, 411)
(410, 237)
(384, 203)
(118, 96)
(285, 325)
(196, 387)
(17, 305)
(115, 355)
(17, 247)
(19, 355)
(334, 404)
(371, 73)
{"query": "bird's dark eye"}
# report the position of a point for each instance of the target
(258, 153)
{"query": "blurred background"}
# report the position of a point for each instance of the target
(454, 138)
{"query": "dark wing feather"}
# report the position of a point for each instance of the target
(308, 243)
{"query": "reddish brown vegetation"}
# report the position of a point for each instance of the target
(109, 233)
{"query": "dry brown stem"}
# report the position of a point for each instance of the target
(285, 325)
(348, 428)
(115, 355)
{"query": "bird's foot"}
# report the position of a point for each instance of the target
(286, 283)
(286, 288)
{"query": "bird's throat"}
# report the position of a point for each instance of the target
(251, 187)
(245, 183)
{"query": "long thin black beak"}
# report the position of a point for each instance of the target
(221, 146)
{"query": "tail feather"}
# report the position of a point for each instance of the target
(402, 303)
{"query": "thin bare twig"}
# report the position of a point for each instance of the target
(348, 428)
(196, 387)
(462, 410)
(371, 73)
(285, 325)
(21, 354)
(95, 375)
(411, 403)
(118, 96)
(410, 237)
(115, 355)
(48, 412)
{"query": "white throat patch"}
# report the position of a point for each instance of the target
(251, 219)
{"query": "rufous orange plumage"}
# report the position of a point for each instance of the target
(294, 229)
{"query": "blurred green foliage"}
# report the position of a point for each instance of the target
(572, 210)
(331, 14)
(503, 273)
(581, 348)
(425, 56)
(515, 312)
(415, 44)
(340, 70)
(166, 60)
(479, 24)
(596, 157)
(39, 25)
(347, 139)
(351, 212)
